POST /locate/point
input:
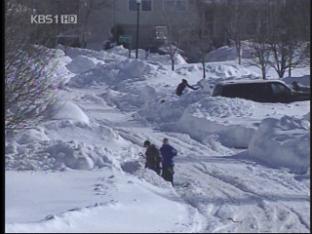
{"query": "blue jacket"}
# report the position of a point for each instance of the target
(167, 153)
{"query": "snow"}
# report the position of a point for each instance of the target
(69, 110)
(82, 63)
(241, 165)
(83, 208)
(226, 53)
(282, 143)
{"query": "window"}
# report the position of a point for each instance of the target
(132, 5)
(175, 5)
(161, 32)
(279, 89)
(146, 5)
(181, 5)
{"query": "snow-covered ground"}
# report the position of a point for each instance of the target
(242, 166)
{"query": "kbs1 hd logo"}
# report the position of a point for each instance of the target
(53, 19)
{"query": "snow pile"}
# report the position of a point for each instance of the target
(213, 108)
(57, 67)
(30, 153)
(158, 59)
(69, 111)
(307, 116)
(228, 70)
(178, 59)
(83, 63)
(102, 73)
(99, 55)
(171, 109)
(226, 53)
(216, 116)
(77, 155)
(132, 98)
(198, 105)
(143, 55)
(32, 136)
(131, 68)
(282, 142)
(76, 52)
(223, 53)
(114, 73)
(201, 116)
(122, 51)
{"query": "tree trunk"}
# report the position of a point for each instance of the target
(239, 50)
(263, 73)
(204, 69)
(290, 65)
(289, 71)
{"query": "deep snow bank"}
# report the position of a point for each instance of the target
(35, 150)
(201, 116)
(282, 142)
(216, 116)
(226, 53)
(82, 63)
(69, 110)
(114, 73)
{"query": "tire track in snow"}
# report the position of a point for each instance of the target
(242, 187)
(201, 201)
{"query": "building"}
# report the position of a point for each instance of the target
(159, 20)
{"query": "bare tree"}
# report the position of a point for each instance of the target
(287, 54)
(235, 27)
(28, 90)
(261, 53)
(259, 45)
(176, 36)
(285, 41)
(203, 45)
(171, 48)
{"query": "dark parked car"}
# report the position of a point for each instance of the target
(260, 91)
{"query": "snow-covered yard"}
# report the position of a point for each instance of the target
(242, 166)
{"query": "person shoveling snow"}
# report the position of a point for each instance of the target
(182, 86)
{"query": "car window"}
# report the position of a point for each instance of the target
(279, 89)
(217, 90)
